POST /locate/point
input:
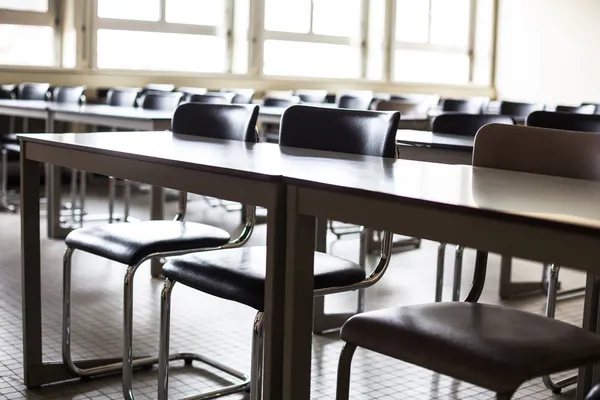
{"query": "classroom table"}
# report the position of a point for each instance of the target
(536, 217)
(24, 108)
(232, 170)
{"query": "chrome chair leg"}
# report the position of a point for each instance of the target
(73, 195)
(439, 278)
(112, 190)
(4, 204)
(256, 369)
(343, 378)
(458, 264)
(126, 200)
(82, 193)
(164, 357)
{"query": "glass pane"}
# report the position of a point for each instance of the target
(160, 51)
(327, 21)
(412, 20)
(17, 42)
(450, 22)
(376, 45)
(195, 12)
(484, 42)
(431, 67)
(139, 10)
(287, 15)
(241, 45)
(310, 59)
(25, 5)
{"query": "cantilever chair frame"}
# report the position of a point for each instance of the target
(257, 338)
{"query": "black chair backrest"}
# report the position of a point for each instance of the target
(466, 124)
(210, 98)
(596, 107)
(355, 102)
(161, 100)
(122, 97)
(468, 106)
(187, 90)
(280, 101)
(370, 133)
(516, 109)
(33, 91)
(217, 121)
(7, 91)
(582, 109)
(242, 96)
(68, 94)
(564, 121)
(311, 96)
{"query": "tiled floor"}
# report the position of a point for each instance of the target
(222, 329)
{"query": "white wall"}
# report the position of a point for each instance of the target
(548, 51)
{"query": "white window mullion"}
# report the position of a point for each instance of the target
(472, 29)
(163, 11)
(364, 38)
(257, 37)
(229, 37)
(391, 44)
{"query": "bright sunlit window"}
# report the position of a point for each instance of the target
(27, 33)
(432, 41)
(310, 38)
(137, 35)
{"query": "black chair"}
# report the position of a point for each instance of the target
(281, 101)
(596, 105)
(463, 125)
(8, 92)
(594, 394)
(581, 109)
(165, 101)
(466, 124)
(133, 243)
(210, 98)
(311, 96)
(239, 274)
(469, 106)
(33, 91)
(122, 97)
(68, 95)
(516, 109)
(564, 120)
(355, 102)
(242, 96)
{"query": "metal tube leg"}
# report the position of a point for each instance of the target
(128, 332)
(82, 192)
(257, 358)
(112, 189)
(364, 233)
(126, 200)
(66, 316)
(163, 350)
(343, 378)
(4, 184)
(73, 194)
(439, 278)
(458, 263)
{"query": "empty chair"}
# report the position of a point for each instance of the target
(242, 96)
(499, 348)
(7, 91)
(311, 96)
(211, 98)
(68, 94)
(464, 125)
(33, 91)
(354, 93)
(354, 102)
(564, 120)
(596, 105)
(122, 97)
(469, 106)
(406, 108)
(166, 101)
(582, 109)
(516, 109)
(239, 274)
(281, 101)
(133, 243)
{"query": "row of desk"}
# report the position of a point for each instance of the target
(531, 216)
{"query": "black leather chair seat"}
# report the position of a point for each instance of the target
(9, 138)
(129, 243)
(11, 147)
(239, 274)
(493, 347)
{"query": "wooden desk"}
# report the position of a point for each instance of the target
(237, 171)
(434, 147)
(24, 108)
(497, 211)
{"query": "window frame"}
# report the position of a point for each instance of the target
(261, 34)
(396, 44)
(162, 26)
(49, 18)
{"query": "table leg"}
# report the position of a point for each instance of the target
(157, 212)
(585, 378)
(299, 286)
(53, 192)
(275, 297)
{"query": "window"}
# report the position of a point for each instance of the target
(433, 41)
(33, 23)
(309, 38)
(163, 35)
